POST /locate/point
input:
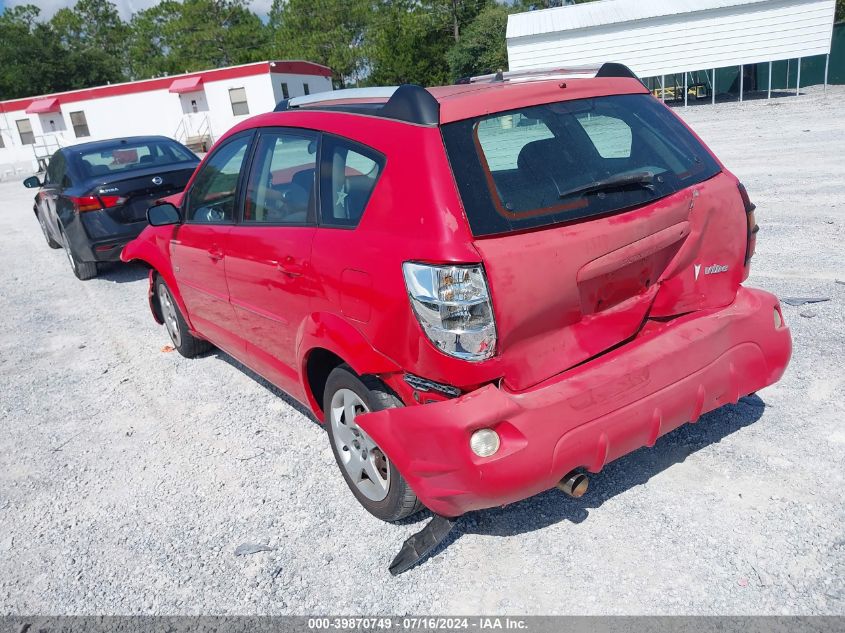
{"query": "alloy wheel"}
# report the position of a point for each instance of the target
(365, 463)
(168, 313)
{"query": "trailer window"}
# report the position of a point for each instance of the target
(80, 124)
(238, 98)
(25, 132)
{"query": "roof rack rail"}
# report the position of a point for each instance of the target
(607, 69)
(409, 102)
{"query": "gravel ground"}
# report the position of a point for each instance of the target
(129, 475)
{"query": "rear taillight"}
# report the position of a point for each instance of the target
(452, 303)
(95, 203)
(112, 201)
(751, 223)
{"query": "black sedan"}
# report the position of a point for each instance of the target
(94, 196)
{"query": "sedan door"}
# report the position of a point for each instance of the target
(49, 196)
(198, 247)
(268, 253)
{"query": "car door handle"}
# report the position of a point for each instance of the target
(288, 267)
(215, 254)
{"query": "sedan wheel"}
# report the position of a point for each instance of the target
(363, 460)
(82, 270)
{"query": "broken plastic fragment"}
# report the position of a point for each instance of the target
(421, 544)
(251, 548)
(799, 301)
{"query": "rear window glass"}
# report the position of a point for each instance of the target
(128, 156)
(564, 161)
(348, 176)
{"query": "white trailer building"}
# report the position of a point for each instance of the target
(658, 38)
(194, 108)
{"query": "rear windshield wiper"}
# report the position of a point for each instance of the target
(619, 181)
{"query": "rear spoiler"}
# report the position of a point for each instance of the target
(409, 102)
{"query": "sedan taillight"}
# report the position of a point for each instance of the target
(453, 306)
(95, 203)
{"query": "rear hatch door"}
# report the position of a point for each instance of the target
(575, 268)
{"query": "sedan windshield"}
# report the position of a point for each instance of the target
(568, 160)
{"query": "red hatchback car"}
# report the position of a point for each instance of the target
(484, 290)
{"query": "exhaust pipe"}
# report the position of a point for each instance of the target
(574, 484)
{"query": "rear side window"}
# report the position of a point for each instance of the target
(529, 167)
(57, 171)
(349, 173)
(281, 185)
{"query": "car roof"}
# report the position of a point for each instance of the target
(475, 96)
(112, 142)
(476, 99)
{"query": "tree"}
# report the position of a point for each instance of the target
(481, 48)
(30, 58)
(406, 43)
(457, 14)
(153, 34)
(177, 37)
(92, 36)
(329, 32)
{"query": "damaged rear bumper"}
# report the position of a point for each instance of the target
(588, 416)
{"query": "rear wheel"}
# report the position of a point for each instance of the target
(82, 270)
(371, 477)
(50, 241)
(183, 341)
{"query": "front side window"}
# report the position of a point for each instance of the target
(213, 195)
(238, 98)
(25, 132)
(572, 159)
(348, 174)
(281, 187)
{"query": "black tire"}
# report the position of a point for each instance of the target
(183, 341)
(82, 270)
(50, 241)
(400, 501)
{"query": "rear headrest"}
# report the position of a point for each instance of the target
(535, 157)
(95, 170)
(304, 178)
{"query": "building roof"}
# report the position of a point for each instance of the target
(590, 14)
(662, 37)
(293, 67)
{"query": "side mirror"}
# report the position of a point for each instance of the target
(163, 214)
(32, 182)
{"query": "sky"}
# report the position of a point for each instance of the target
(125, 7)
